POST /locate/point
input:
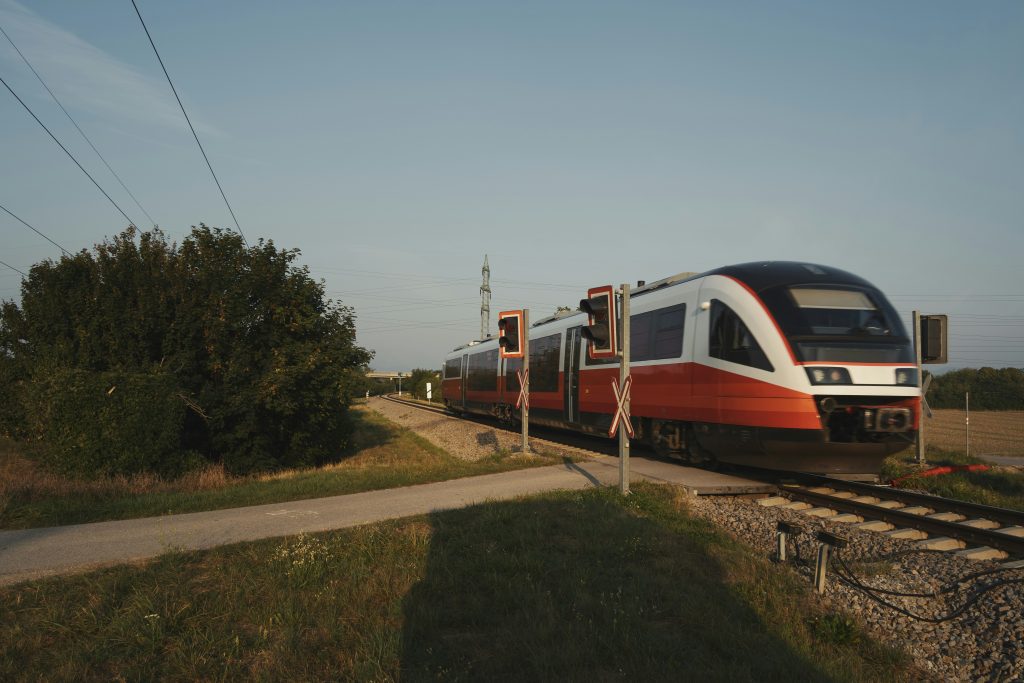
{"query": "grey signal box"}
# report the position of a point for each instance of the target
(934, 348)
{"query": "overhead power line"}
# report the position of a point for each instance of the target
(70, 155)
(13, 268)
(8, 212)
(191, 127)
(77, 127)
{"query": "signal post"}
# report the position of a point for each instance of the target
(625, 381)
(602, 338)
(514, 342)
(931, 345)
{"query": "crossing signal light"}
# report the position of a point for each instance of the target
(510, 334)
(600, 332)
(933, 339)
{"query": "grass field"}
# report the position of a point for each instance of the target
(577, 586)
(383, 456)
(992, 432)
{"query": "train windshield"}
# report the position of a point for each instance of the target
(840, 324)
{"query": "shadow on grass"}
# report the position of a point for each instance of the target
(580, 588)
(368, 431)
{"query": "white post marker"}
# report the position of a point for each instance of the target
(429, 395)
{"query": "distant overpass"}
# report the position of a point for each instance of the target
(373, 374)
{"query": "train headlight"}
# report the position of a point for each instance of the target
(906, 377)
(825, 375)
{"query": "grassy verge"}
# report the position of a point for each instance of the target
(998, 486)
(569, 586)
(384, 456)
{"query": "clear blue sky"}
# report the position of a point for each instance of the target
(576, 143)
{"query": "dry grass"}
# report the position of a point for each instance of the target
(23, 478)
(992, 432)
(383, 455)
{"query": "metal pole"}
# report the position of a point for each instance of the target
(526, 376)
(920, 384)
(623, 374)
(967, 420)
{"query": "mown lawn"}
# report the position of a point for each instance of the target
(383, 456)
(578, 586)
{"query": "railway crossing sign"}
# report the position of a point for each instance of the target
(621, 410)
(524, 397)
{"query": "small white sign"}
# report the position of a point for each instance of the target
(428, 391)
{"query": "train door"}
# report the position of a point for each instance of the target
(572, 375)
(465, 377)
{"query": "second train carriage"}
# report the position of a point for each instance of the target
(780, 365)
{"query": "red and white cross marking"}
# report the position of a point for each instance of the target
(524, 398)
(620, 408)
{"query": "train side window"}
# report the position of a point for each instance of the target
(640, 336)
(667, 337)
(453, 368)
(482, 374)
(731, 340)
(544, 355)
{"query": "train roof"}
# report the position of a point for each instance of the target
(761, 275)
(757, 275)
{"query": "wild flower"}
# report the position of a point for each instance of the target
(301, 555)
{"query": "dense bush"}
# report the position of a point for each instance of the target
(990, 389)
(265, 366)
(108, 422)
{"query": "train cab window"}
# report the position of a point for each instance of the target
(453, 368)
(731, 340)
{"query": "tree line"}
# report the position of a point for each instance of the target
(145, 355)
(990, 389)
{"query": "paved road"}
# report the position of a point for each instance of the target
(35, 553)
(1009, 460)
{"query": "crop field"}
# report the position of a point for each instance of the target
(992, 432)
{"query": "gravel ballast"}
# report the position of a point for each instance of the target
(985, 642)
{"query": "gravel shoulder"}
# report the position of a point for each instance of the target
(986, 642)
(463, 438)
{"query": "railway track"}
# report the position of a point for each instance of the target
(969, 529)
(973, 530)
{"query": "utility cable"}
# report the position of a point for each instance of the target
(71, 156)
(971, 600)
(191, 127)
(77, 127)
(13, 268)
(8, 212)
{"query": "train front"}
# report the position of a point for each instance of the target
(859, 365)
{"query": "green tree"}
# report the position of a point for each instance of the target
(416, 383)
(264, 364)
(990, 388)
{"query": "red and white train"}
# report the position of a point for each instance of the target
(780, 365)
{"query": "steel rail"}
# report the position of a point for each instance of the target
(992, 538)
(1004, 516)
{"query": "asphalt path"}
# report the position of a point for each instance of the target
(35, 553)
(1006, 460)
